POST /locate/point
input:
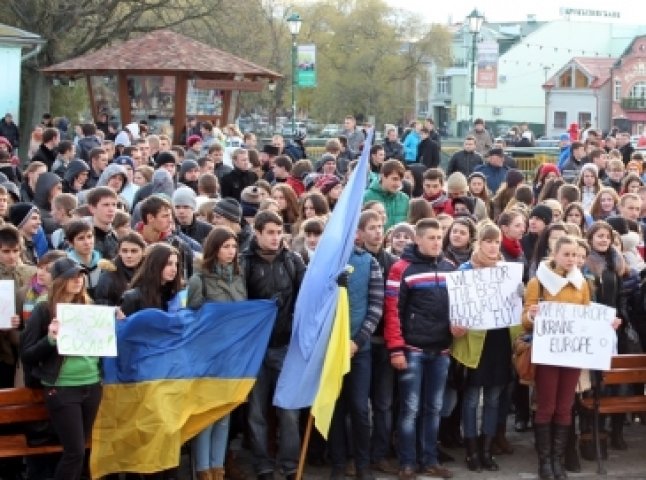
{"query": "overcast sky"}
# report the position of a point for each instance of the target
(496, 10)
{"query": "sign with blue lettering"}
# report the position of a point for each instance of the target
(571, 335)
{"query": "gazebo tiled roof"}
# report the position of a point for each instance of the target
(161, 50)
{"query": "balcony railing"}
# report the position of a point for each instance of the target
(633, 103)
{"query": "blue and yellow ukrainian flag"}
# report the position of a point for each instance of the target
(318, 307)
(175, 374)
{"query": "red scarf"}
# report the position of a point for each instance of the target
(512, 247)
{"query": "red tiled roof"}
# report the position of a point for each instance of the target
(162, 50)
(595, 67)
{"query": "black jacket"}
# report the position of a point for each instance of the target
(394, 150)
(112, 284)
(233, 183)
(198, 230)
(10, 132)
(464, 162)
(279, 279)
(132, 301)
(38, 355)
(428, 153)
(44, 185)
(421, 302)
(106, 243)
(45, 155)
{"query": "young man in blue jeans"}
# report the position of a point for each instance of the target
(418, 336)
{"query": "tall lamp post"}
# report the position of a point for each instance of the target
(294, 22)
(474, 21)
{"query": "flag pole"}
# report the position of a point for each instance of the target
(306, 441)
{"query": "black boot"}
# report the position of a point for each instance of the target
(486, 459)
(543, 436)
(559, 443)
(472, 458)
(572, 463)
(617, 433)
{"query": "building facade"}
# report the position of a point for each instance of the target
(629, 88)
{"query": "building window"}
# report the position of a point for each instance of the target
(444, 85)
(638, 90)
(617, 91)
(565, 79)
(560, 119)
(580, 80)
(584, 117)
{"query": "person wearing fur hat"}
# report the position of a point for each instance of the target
(250, 201)
(184, 207)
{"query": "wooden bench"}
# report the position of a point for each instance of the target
(624, 369)
(22, 405)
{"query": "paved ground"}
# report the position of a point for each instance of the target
(624, 465)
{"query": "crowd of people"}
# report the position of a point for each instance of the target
(123, 218)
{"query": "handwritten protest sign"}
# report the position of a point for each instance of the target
(570, 335)
(7, 302)
(486, 298)
(86, 330)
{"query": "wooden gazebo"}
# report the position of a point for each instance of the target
(164, 77)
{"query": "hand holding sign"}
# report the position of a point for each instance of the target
(86, 330)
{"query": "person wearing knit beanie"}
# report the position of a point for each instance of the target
(542, 212)
(514, 178)
(456, 182)
(165, 158)
(20, 214)
(229, 209)
(403, 227)
(250, 201)
(26, 218)
(185, 197)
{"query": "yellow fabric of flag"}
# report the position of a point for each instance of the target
(335, 366)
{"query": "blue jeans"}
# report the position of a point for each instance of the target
(381, 400)
(470, 401)
(259, 402)
(424, 379)
(210, 445)
(353, 400)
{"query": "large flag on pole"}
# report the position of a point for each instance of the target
(316, 304)
(175, 374)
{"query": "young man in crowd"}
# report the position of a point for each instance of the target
(433, 185)
(216, 154)
(272, 271)
(233, 183)
(418, 336)
(98, 162)
(80, 238)
(466, 160)
(102, 202)
(25, 217)
(387, 190)
(184, 207)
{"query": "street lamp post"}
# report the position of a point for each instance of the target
(294, 21)
(474, 20)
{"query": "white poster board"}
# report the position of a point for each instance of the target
(86, 330)
(7, 302)
(577, 336)
(486, 298)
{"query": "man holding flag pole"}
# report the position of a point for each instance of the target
(319, 355)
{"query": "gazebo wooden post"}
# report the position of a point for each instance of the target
(124, 99)
(179, 122)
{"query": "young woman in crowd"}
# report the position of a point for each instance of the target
(486, 356)
(116, 275)
(550, 189)
(143, 175)
(312, 204)
(544, 173)
(604, 204)
(288, 204)
(398, 237)
(219, 280)
(478, 188)
(418, 209)
(574, 213)
(607, 267)
(558, 280)
(156, 282)
(589, 184)
(38, 287)
(308, 238)
(631, 183)
(545, 245)
(512, 225)
(458, 240)
(72, 383)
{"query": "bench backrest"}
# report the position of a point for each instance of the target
(626, 369)
(18, 405)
